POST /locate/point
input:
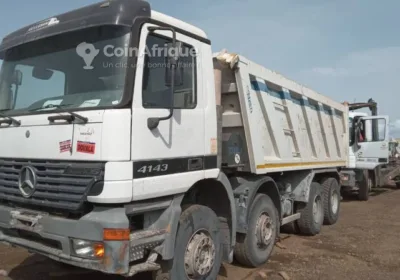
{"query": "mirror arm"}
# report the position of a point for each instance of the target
(356, 137)
(353, 133)
(15, 95)
(357, 132)
(152, 123)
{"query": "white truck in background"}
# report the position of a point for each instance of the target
(121, 162)
(371, 164)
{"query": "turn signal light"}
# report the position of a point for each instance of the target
(116, 234)
(98, 250)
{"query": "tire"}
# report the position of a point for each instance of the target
(331, 192)
(196, 222)
(251, 249)
(364, 187)
(310, 223)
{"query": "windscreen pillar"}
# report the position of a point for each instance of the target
(218, 66)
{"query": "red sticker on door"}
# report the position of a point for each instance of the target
(86, 147)
(65, 146)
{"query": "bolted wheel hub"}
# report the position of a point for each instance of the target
(335, 202)
(200, 255)
(264, 230)
(318, 210)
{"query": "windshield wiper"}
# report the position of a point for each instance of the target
(61, 108)
(11, 119)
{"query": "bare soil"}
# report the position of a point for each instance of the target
(364, 244)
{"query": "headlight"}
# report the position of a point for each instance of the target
(87, 249)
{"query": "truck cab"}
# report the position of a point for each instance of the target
(369, 141)
(368, 149)
(101, 108)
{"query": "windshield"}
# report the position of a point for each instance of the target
(72, 70)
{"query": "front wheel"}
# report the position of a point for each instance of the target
(198, 253)
(364, 186)
(254, 248)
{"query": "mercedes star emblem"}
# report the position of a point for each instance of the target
(27, 181)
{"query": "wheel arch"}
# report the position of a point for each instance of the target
(217, 195)
(321, 175)
(246, 189)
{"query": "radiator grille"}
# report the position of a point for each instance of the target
(55, 188)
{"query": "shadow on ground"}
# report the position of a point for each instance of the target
(351, 197)
(37, 267)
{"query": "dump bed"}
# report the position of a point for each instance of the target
(272, 124)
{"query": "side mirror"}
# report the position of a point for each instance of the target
(42, 73)
(17, 78)
(174, 51)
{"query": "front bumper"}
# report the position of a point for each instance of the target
(51, 236)
(348, 178)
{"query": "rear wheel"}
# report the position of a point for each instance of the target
(198, 253)
(254, 248)
(364, 186)
(312, 213)
(331, 192)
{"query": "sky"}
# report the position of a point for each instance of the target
(348, 50)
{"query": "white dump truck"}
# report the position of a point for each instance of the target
(127, 146)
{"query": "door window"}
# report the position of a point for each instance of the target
(373, 130)
(156, 94)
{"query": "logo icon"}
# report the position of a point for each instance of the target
(88, 52)
(44, 24)
(27, 181)
(53, 21)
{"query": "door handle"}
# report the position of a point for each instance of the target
(195, 164)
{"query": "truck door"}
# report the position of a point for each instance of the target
(372, 145)
(169, 158)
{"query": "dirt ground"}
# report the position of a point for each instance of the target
(364, 244)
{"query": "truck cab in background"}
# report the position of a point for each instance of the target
(393, 150)
(127, 146)
(368, 150)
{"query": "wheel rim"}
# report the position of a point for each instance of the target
(369, 184)
(199, 255)
(264, 230)
(317, 210)
(334, 202)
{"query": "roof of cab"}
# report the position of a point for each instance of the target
(115, 12)
(178, 23)
(110, 12)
